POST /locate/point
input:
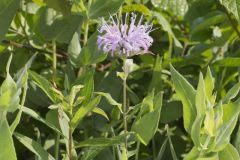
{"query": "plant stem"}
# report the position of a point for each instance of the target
(137, 153)
(57, 139)
(125, 102)
(54, 75)
(86, 33)
(154, 149)
(85, 39)
(70, 143)
(54, 64)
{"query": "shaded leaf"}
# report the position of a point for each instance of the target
(167, 27)
(99, 9)
(102, 142)
(46, 86)
(34, 147)
(8, 10)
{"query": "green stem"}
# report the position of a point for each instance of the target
(137, 153)
(85, 39)
(86, 32)
(57, 139)
(70, 143)
(54, 75)
(125, 103)
(154, 149)
(54, 64)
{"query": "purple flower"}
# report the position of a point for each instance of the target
(125, 39)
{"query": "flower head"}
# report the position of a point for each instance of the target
(125, 39)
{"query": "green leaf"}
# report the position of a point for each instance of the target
(146, 126)
(177, 7)
(156, 82)
(83, 111)
(88, 88)
(8, 10)
(103, 142)
(232, 6)
(209, 122)
(91, 152)
(200, 103)
(173, 107)
(34, 147)
(209, 83)
(227, 62)
(100, 112)
(74, 49)
(6, 141)
(110, 99)
(9, 93)
(232, 93)
(100, 9)
(137, 8)
(202, 24)
(34, 115)
(46, 86)
(229, 153)
(230, 116)
(90, 53)
(166, 27)
(195, 154)
(22, 74)
(62, 6)
(186, 93)
(59, 28)
(200, 100)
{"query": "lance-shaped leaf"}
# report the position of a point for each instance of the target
(209, 83)
(200, 102)
(232, 93)
(146, 126)
(34, 115)
(103, 142)
(34, 147)
(186, 93)
(83, 111)
(46, 86)
(230, 116)
(110, 100)
(6, 141)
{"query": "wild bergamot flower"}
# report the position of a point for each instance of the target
(121, 38)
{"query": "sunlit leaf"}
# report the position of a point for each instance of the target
(186, 93)
(6, 141)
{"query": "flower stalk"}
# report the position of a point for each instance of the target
(125, 100)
